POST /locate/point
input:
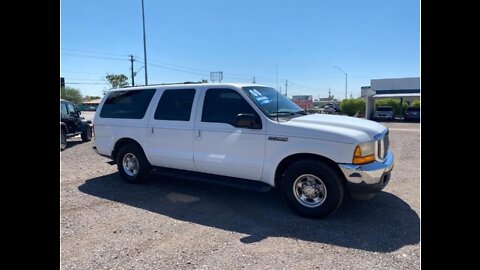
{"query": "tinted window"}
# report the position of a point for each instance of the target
(127, 104)
(413, 109)
(63, 109)
(70, 107)
(175, 105)
(223, 105)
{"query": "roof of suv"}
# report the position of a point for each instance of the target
(187, 84)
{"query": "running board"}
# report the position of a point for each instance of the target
(213, 178)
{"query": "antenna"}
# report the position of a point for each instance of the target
(277, 92)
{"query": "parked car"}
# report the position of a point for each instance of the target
(412, 113)
(71, 124)
(243, 135)
(384, 113)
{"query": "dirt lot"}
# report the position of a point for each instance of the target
(180, 224)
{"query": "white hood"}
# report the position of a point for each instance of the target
(330, 127)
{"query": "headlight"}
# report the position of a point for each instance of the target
(364, 153)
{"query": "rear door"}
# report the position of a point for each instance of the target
(170, 140)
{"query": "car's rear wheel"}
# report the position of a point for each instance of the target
(63, 140)
(132, 164)
(87, 134)
(312, 188)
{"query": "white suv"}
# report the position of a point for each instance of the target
(245, 135)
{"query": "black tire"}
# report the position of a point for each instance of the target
(331, 191)
(139, 167)
(87, 134)
(63, 140)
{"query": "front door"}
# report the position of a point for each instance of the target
(221, 148)
(72, 119)
(171, 129)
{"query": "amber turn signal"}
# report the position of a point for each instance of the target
(359, 159)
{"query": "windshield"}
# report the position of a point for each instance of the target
(266, 99)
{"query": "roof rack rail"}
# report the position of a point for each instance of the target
(199, 82)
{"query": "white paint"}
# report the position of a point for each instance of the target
(222, 149)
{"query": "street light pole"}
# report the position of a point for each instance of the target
(346, 79)
(144, 45)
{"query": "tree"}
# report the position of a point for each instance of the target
(71, 94)
(88, 98)
(351, 106)
(204, 81)
(416, 103)
(117, 80)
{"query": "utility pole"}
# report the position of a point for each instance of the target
(329, 92)
(286, 85)
(253, 79)
(131, 67)
(144, 45)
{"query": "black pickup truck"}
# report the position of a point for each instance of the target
(71, 124)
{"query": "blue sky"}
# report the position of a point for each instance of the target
(186, 39)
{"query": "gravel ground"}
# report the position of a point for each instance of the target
(173, 223)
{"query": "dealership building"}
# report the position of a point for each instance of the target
(406, 89)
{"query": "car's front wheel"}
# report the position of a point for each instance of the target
(132, 164)
(312, 188)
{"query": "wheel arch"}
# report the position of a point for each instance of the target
(124, 141)
(63, 127)
(289, 160)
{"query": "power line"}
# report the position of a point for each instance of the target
(93, 52)
(83, 83)
(92, 56)
(81, 79)
(78, 72)
(173, 65)
(175, 69)
(191, 70)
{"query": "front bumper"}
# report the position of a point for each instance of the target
(368, 178)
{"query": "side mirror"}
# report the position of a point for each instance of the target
(247, 121)
(79, 112)
(74, 114)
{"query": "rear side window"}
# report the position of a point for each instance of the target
(223, 106)
(127, 104)
(175, 105)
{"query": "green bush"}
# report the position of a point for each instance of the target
(394, 103)
(416, 103)
(352, 105)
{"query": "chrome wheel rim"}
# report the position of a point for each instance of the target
(309, 190)
(130, 164)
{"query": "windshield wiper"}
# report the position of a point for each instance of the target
(287, 113)
(281, 113)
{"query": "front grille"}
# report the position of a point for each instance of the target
(382, 147)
